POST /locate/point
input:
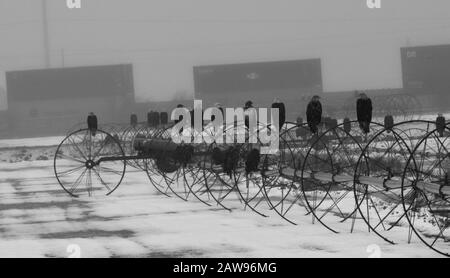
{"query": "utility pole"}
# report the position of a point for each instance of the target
(45, 34)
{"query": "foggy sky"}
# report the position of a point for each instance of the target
(164, 39)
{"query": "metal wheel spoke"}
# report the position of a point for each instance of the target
(77, 182)
(70, 158)
(101, 180)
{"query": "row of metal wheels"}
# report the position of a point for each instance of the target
(342, 178)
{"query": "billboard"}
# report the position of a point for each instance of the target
(426, 70)
(299, 75)
(70, 83)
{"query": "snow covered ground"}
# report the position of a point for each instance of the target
(37, 219)
(42, 141)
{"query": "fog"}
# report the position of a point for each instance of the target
(164, 39)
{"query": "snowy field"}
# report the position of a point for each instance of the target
(37, 219)
(35, 142)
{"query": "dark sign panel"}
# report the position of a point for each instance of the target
(254, 77)
(426, 69)
(65, 83)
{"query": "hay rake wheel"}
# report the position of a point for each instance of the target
(428, 207)
(250, 182)
(169, 172)
(280, 173)
(345, 180)
(78, 159)
(179, 178)
(223, 184)
(383, 160)
(195, 178)
(327, 176)
(127, 137)
(226, 177)
(147, 165)
(142, 132)
(218, 184)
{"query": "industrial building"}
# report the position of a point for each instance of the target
(50, 101)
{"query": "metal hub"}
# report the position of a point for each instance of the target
(90, 164)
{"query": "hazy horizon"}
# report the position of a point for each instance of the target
(359, 47)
